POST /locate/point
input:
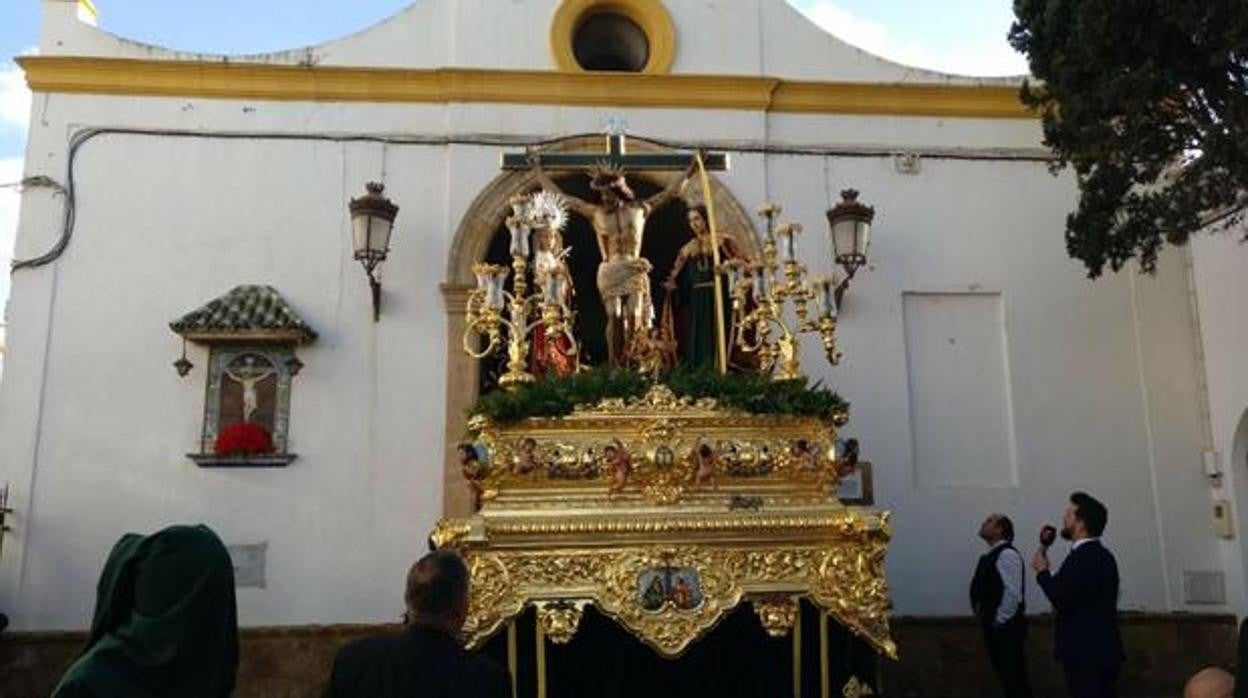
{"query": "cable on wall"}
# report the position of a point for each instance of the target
(82, 137)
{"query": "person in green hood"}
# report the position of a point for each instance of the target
(165, 622)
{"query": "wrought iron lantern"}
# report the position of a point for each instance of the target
(372, 221)
(183, 365)
(850, 221)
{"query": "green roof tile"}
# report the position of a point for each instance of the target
(245, 310)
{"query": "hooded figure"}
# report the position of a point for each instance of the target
(165, 622)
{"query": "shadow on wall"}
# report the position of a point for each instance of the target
(1239, 447)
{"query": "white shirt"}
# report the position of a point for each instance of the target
(1010, 567)
(1074, 546)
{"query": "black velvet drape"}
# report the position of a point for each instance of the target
(737, 659)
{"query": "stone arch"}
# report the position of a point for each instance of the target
(471, 241)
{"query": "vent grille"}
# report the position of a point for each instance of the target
(249, 564)
(1204, 588)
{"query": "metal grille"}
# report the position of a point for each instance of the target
(249, 564)
(1205, 588)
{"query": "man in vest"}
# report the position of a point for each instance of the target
(997, 597)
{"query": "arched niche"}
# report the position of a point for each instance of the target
(472, 240)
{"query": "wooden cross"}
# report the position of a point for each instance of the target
(617, 156)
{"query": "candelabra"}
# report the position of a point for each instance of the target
(778, 279)
(491, 308)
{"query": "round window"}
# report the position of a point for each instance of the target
(610, 41)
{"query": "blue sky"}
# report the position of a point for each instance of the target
(960, 36)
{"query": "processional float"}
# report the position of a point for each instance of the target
(664, 499)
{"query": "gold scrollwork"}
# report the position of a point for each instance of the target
(447, 531)
(633, 506)
(672, 626)
(560, 619)
(845, 578)
(658, 399)
(777, 565)
(494, 599)
(851, 584)
(856, 688)
(661, 436)
(565, 571)
(776, 612)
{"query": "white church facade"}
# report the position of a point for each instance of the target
(986, 373)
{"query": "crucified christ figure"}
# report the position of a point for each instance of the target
(619, 222)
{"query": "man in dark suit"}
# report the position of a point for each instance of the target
(426, 660)
(1084, 594)
(997, 597)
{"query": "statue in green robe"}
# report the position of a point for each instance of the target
(690, 286)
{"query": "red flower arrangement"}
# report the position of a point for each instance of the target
(243, 439)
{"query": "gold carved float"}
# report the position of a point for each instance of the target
(666, 513)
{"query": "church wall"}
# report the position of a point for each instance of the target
(1077, 381)
(1170, 380)
(366, 412)
(1002, 138)
(1220, 285)
(1097, 375)
(347, 517)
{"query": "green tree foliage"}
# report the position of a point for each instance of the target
(1148, 101)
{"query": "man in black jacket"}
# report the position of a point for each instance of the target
(1084, 594)
(426, 659)
(997, 597)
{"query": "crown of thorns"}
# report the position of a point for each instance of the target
(604, 175)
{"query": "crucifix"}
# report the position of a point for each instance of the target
(616, 155)
(248, 370)
(619, 222)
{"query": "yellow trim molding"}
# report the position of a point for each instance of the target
(163, 78)
(650, 15)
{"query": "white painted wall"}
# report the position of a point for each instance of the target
(1221, 284)
(94, 423)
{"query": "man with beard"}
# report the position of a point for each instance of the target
(619, 223)
(997, 597)
(1084, 594)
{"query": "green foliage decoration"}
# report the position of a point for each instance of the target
(754, 393)
(757, 393)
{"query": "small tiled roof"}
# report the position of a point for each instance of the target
(246, 312)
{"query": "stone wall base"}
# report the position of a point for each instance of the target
(940, 657)
(945, 657)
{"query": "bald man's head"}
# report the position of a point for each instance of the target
(1210, 682)
(437, 591)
